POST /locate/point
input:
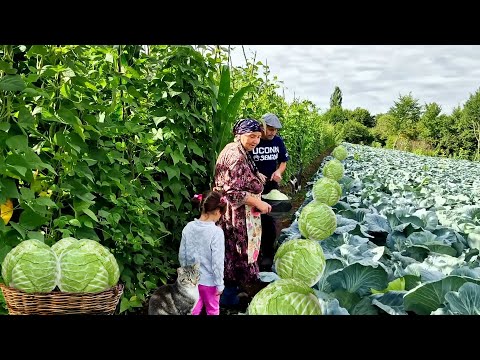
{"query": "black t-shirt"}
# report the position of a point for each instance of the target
(268, 154)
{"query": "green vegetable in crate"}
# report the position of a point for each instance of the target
(317, 221)
(275, 195)
(87, 266)
(60, 246)
(327, 191)
(333, 169)
(300, 259)
(340, 153)
(285, 297)
(30, 266)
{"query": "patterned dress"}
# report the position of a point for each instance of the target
(235, 176)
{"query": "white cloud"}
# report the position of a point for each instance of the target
(371, 76)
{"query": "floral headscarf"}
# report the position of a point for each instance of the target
(244, 126)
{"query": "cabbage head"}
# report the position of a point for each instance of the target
(333, 169)
(87, 266)
(275, 194)
(300, 259)
(317, 221)
(340, 153)
(285, 297)
(327, 191)
(30, 266)
(59, 247)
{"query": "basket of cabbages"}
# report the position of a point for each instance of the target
(280, 202)
(70, 277)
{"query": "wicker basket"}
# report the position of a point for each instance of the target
(60, 303)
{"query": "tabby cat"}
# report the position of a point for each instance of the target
(178, 298)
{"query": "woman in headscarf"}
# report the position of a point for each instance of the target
(237, 176)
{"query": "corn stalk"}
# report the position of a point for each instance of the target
(225, 109)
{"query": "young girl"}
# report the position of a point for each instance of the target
(203, 242)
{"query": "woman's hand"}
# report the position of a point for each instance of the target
(262, 178)
(276, 176)
(261, 206)
(264, 207)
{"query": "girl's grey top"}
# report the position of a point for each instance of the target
(204, 242)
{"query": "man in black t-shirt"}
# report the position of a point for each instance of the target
(271, 157)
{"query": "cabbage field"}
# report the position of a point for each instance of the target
(404, 238)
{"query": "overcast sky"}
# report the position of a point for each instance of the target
(372, 76)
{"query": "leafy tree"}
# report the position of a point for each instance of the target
(384, 128)
(451, 142)
(362, 116)
(429, 124)
(336, 98)
(471, 121)
(335, 115)
(356, 133)
(407, 112)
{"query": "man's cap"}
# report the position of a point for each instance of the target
(272, 120)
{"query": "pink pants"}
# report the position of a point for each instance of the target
(209, 298)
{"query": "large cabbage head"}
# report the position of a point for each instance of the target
(333, 169)
(285, 297)
(340, 153)
(317, 221)
(327, 191)
(60, 246)
(87, 266)
(300, 259)
(30, 266)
